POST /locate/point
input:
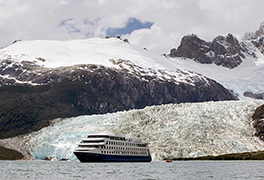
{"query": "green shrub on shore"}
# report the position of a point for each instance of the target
(9, 154)
(259, 155)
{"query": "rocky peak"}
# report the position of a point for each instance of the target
(227, 51)
(223, 50)
(259, 43)
(256, 38)
(194, 48)
(260, 31)
(248, 36)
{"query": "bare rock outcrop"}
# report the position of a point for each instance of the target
(258, 122)
(257, 37)
(224, 51)
(254, 95)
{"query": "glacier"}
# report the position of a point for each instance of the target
(172, 130)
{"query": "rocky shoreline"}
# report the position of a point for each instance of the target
(258, 155)
(17, 144)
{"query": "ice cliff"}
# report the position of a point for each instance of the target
(173, 130)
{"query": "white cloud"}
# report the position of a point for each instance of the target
(43, 19)
(12, 9)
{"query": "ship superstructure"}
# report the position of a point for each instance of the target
(111, 148)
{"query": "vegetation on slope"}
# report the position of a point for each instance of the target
(259, 155)
(24, 109)
(90, 89)
(9, 154)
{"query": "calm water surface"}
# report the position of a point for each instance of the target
(154, 170)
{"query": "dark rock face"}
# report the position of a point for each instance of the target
(224, 51)
(194, 48)
(259, 32)
(91, 89)
(228, 51)
(258, 122)
(256, 38)
(259, 43)
(133, 88)
(254, 95)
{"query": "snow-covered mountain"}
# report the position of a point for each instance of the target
(18, 60)
(172, 130)
(54, 79)
(236, 65)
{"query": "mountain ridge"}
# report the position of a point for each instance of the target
(224, 51)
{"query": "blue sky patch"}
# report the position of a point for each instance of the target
(131, 25)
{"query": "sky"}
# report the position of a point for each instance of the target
(157, 25)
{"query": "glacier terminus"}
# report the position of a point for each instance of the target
(172, 130)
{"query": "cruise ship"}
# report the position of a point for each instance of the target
(112, 148)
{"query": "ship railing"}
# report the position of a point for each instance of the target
(85, 149)
(95, 139)
(92, 144)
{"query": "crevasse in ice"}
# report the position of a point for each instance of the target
(173, 130)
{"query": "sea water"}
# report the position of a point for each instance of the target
(154, 170)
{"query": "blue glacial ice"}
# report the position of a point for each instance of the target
(172, 130)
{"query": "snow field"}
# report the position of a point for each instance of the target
(52, 54)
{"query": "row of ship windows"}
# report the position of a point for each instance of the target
(120, 143)
(117, 152)
(124, 144)
(122, 148)
(113, 147)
